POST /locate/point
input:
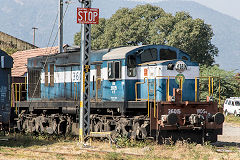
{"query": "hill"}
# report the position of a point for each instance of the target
(19, 16)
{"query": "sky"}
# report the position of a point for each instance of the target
(229, 7)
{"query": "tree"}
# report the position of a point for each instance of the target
(229, 82)
(147, 24)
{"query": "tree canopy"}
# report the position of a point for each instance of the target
(229, 82)
(147, 24)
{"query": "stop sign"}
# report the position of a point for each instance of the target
(88, 15)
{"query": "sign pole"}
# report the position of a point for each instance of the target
(60, 25)
(84, 114)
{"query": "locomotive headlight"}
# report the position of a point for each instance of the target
(180, 66)
(218, 118)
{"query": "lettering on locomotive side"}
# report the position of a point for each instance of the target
(201, 111)
(176, 111)
(113, 89)
(76, 76)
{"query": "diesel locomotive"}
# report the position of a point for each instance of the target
(135, 91)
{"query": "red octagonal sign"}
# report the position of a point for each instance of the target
(88, 15)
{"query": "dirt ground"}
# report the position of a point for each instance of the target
(231, 133)
(27, 148)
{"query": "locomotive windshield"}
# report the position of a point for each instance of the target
(149, 55)
(166, 54)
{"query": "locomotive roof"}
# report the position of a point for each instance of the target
(119, 53)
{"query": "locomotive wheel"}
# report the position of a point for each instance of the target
(134, 130)
(97, 127)
(114, 135)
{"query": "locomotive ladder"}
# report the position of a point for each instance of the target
(84, 109)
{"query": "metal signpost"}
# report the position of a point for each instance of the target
(86, 16)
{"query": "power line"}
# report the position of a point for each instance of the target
(50, 49)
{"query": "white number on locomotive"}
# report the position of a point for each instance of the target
(201, 111)
(176, 111)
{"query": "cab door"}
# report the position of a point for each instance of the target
(151, 80)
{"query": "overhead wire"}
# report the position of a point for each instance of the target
(39, 79)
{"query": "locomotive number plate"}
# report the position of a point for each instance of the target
(176, 111)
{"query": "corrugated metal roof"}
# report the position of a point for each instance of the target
(20, 59)
(119, 53)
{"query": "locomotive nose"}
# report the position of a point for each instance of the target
(218, 118)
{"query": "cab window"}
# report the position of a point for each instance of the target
(114, 70)
(149, 55)
(184, 58)
(167, 54)
(131, 66)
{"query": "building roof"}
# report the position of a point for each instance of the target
(119, 53)
(20, 59)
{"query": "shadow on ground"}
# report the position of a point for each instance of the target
(223, 144)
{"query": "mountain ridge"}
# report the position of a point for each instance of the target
(18, 18)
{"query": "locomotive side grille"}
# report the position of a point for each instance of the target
(34, 89)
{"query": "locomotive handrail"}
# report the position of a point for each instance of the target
(16, 89)
(167, 92)
(210, 86)
(25, 83)
(75, 91)
(139, 99)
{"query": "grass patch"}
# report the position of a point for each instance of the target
(28, 140)
(114, 156)
(123, 142)
(232, 119)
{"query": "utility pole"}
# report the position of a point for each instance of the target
(84, 111)
(60, 27)
(34, 29)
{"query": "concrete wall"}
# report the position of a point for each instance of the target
(7, 41)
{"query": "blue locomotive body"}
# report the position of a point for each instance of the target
(6, 63)
(114, 74)
(137, 91)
